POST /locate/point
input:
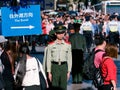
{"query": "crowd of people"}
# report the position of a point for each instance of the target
(67, 38)
(90, 26)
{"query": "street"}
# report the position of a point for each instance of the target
(86, 85)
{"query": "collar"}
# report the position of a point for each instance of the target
(62, 42)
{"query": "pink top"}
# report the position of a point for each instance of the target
(98, 58)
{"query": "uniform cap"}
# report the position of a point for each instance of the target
(87, 18)
(60, 29)
(118, 17)
(2, 39)
(112, 16)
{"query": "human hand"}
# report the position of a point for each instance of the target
(50, 76)
(113, 88)
(68, 75)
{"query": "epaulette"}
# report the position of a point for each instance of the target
(67, 42)
(51, 42)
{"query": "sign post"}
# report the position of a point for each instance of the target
(25, 21)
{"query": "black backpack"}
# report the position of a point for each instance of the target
(89, 68)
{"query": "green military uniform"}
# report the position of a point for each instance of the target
(59, 62)
(78, 44)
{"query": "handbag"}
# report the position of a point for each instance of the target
(43, 84)
(19, 75)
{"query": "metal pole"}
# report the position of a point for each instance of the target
(24, 39)
(55, 4)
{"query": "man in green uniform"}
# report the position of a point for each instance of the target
(59, 60)
(78, 44)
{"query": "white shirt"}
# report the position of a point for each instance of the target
(86, 26)
(32, 73)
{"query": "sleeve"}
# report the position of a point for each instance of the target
(119, 28)
(107, 29)
(48, 62)
(110, 68)
(93, 30)
(98, 30)
(81, 29)
(84, 44)
(45, 59)
(69, 60)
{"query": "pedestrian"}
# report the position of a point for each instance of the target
(58, 21)
(8, 72)
(87, 30)
(118, 18)
(28, 70)
(100, 43)
(2, 42)
(71, 24)
(112, 30)
(78, 44)
(108, 68)
(100, 26)
(59, 60)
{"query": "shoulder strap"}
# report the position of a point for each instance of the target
(98, 51)
(40, 68)
(102, 64)
(38, 64)
(105, 59)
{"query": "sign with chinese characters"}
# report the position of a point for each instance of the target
(23, 21)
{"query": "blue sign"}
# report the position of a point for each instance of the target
(26, 21)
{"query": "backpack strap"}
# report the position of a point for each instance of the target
(98, 50)
(105, 59)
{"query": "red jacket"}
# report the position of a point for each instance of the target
(44, 28)
(109, 70)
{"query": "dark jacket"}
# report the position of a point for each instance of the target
(78, 41)
(7, 72)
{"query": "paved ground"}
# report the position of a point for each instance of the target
(86, 85)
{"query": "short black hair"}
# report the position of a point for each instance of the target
(118, 17)
(24, 49)
(99, 40)
(87, 18)
(77, 27)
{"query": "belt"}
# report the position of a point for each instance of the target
(59, 63)
(87, 30)
(114, 31)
